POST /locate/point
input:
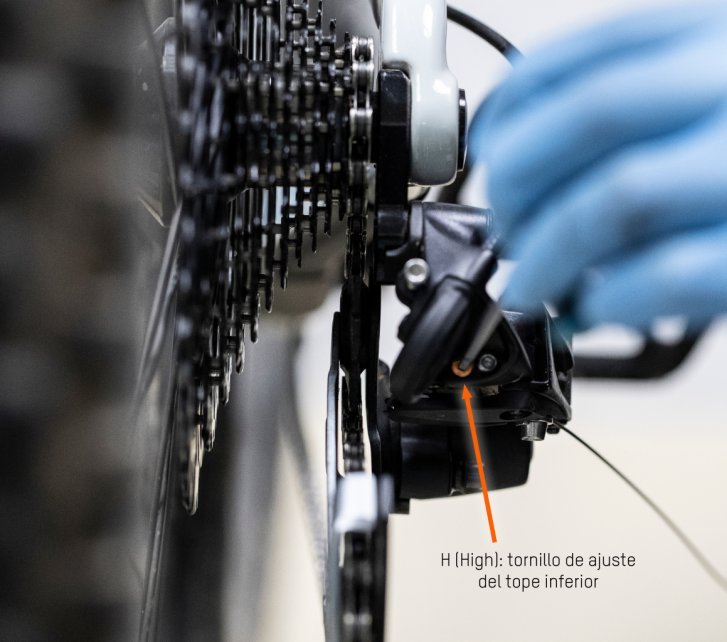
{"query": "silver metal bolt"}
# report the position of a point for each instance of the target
(416, 273)
(487, 363)
(533, 430)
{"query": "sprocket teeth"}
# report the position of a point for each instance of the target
(263, 136)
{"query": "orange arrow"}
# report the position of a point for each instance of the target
(467, 396)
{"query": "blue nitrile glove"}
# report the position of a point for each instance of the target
(607, 165)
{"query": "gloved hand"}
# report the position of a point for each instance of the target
(607, 165)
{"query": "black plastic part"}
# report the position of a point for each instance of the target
(533, 381)
(379, 440)
(439, 328)
(389, 460)
(432, 459)
(391, 154)
(437, 461)
(391, 230)
(419, 410)
(451, 238)
(653, 361)
(453, 241)
(391, 150)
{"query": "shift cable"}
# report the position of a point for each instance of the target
(719, 579)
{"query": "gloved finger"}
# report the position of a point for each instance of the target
(578, 53)
(644, 193)
(618, 105)
(683, 275)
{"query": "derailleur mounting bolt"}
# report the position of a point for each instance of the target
(416, 273)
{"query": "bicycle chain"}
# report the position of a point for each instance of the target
(357, 572)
